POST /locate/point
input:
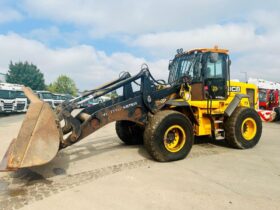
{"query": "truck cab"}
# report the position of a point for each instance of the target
(57, 98)
(46, 96)
(12, 98)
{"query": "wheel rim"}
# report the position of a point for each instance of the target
(249, 129)
(174, 138)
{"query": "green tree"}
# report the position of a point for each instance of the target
(63, 84)
(26, 74)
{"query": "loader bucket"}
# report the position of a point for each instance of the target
(38, 140)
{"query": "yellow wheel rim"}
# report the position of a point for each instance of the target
(174, 138)
(249, 129)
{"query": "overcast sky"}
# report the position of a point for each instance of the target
(92, 41)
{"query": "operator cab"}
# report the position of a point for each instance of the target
(206, 70)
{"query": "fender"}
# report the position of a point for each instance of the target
(186, 105)
(234, 103)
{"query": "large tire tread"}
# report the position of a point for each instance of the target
(151, 135)
(129, 132)
(233, 133)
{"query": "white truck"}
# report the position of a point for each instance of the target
(54, 99)
(46, 96)
(59, 98)
(12, 98)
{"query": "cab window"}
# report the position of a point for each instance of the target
(215, 69)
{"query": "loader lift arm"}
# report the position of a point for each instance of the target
(131, 106)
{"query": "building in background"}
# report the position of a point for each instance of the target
(2, 77)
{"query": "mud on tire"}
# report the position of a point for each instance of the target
(129, 132)
(236, 129)
(168, 123)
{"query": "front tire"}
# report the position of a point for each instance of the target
(243, 128)
(168, 136)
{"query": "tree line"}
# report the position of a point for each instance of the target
(29, 75)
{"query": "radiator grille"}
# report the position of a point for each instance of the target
(8, 106)
(20, 107)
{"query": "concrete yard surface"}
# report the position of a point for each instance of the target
(100, 172)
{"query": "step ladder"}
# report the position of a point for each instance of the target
(219, 130)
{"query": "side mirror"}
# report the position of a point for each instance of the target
(214, 57)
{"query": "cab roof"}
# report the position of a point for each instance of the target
(216, 49)
(9, 86)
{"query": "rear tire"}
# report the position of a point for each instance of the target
(168, 136)
(129, 132)
(243, 128)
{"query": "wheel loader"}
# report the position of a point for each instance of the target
(199, 99)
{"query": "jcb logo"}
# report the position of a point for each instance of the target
(235, 89)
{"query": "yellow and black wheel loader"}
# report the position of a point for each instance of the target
(199, 99)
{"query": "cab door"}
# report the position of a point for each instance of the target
(215, 75)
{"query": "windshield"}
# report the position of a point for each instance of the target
(57, 97)
(185, 65)
(7, 94)
(66, 97)
(262, 96)
(19, 94)
(61, 97)
(47, 95)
